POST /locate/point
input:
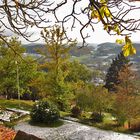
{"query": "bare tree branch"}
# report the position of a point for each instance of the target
(119, 10)
(19, 16)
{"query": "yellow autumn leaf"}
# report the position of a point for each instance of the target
(128, 49)
(106, 27)
(95, 14)
(116, 29)
(133, 51)
(102, 11)
(107, 12)
(103, 1)
(16, 2)
(120, 41)
(92, 8)
(127, 40)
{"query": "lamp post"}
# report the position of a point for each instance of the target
(18, 88)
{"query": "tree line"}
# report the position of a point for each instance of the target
(68, 83)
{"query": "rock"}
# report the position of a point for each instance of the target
(24, 136)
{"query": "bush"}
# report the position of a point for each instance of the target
(96, 117)
(76, 111)
(44, 112)
(135, 126)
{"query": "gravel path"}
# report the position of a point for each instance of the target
(72, 131)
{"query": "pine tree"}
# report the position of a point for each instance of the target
(111, 79)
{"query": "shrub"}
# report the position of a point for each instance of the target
(76, 111)
(44, 112)
(96, 117)
(135, 126)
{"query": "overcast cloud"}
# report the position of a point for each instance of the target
(98, 36)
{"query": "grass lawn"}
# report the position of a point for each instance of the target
(15, 122)
(64, 114)
(18, 104)
(109, 123)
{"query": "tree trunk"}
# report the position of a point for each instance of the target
(127, 125)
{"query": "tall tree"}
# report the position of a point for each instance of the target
(126, 105)
(112, 76)
(55, 61)
(13, 63)
(95, 99)
(63, 77)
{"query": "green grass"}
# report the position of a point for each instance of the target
(12, 123)
(107, 118)
(18, 104)
(107, 124)
(64, 114)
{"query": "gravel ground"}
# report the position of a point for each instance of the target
(72, 131)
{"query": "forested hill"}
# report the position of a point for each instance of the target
(75, 51)
(95, 55)
(101, 49)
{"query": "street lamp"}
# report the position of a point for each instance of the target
(18, 88)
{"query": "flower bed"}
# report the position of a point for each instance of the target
(6, 133)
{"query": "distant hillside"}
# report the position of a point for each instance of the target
(112, 49)
(95, 56)
(76, 51)
(108, 51)
(31, 48)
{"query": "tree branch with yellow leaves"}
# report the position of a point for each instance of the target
(115, 16)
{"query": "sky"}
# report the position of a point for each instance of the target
(98, 36)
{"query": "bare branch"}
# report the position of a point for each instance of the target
(19, 16)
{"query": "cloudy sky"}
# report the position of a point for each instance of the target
(98, 36)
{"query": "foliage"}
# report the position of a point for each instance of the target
(44, 112)
(13, 63)
(76, 111)
(96, 117)
(78, 72)
(126, 105)
(55, 60)
(37, 85)
(128, 48)
(97, 99)
(7, 133)
(111, 79)
(135, 126)
(104, 14)
(25, 105)
(62, 76)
